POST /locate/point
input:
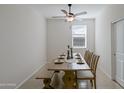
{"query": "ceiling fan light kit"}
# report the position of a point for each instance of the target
(69, 19)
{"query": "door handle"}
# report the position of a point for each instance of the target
(114, 54)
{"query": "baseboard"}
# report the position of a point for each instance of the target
(120, 81)
(19, 85)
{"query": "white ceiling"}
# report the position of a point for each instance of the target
(49, 10)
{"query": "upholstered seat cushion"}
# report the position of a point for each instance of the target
(84, 75)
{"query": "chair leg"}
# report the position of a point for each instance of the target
(91, 83)
(94, 83)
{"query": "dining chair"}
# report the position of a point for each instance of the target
(87, 57)
(90, 74)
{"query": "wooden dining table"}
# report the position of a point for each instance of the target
(70, 68)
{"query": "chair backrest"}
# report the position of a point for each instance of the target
(88, 56)
(94, 62)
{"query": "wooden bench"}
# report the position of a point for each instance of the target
(46, 76)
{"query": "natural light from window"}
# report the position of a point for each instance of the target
(79, 36)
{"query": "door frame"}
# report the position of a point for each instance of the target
(113, 49)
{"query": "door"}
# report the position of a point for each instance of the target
(119, 51)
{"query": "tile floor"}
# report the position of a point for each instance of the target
(103, 82)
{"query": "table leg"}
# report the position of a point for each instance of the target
(69, 80)
(76, 79)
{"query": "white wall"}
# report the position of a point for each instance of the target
(22, 44)
(103, 35)
(59, 35)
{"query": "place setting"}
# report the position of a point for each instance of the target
(60, 59)
(80, 61)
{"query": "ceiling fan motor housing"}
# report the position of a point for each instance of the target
(71, 15)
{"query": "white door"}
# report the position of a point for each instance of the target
(119, 51)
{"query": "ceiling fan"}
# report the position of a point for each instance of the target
(69, 16)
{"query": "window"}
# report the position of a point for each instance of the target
(79, 36)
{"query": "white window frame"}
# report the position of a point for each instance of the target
(77, 36)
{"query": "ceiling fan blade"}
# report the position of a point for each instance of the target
(64, 11)
(81, 13)
(58, 16)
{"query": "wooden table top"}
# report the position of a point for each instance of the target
(70, 64)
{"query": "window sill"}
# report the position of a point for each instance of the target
(79, 47)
